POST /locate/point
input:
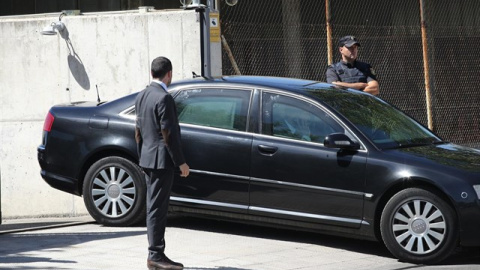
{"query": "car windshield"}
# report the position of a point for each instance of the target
(386, 126)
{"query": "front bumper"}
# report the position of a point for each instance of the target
(469, 217)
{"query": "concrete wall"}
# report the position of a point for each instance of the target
(110, 50)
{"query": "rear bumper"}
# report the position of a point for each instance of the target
(61, 183)
(56, 181)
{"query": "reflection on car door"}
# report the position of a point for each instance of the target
(294, 176)
(213, 123)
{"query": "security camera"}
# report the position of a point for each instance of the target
(231, 2)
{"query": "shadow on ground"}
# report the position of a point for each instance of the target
(463, 256)
(53, 242)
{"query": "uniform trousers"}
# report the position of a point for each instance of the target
(159, 185)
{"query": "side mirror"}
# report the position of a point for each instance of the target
(340, 140)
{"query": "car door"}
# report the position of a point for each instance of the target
(217, 148)
(294, 176)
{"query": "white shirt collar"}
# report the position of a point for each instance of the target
(164, 86)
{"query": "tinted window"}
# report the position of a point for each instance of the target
(292, 118)
(218, 108)
(383, 124)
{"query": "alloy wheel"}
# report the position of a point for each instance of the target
(419, 227)
(113, 192)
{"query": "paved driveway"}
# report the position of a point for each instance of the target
(199, 244)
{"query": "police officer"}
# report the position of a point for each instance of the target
(352, 73)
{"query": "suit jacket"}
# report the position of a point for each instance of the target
(157, 131)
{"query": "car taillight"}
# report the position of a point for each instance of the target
(47, 125)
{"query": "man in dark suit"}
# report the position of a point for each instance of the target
(157, 134)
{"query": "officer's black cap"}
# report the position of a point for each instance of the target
(348, 41)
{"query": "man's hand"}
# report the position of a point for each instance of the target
(184, 170)
(139, 141)
(372, 88)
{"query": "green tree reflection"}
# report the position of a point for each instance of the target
(382, 123)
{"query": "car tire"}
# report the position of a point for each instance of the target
(417, 226)
(114, 192)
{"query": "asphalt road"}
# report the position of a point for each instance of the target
(199, 244)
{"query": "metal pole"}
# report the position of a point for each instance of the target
(329, 32)
(0, 195)
(205, 41)
(202, 42)
(426, 68)
(230, 56)
(206, 33)
(292, 41)
(212, 4)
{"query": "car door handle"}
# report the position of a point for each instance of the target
(269, 150)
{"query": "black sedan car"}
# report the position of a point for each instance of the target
(281, 152)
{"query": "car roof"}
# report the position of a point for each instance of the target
(294, 85)
(291, 84)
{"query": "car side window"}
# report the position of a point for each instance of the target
(219, 108)
(288, 117)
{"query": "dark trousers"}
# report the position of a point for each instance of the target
(159, 185)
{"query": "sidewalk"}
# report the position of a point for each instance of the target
(199, 244)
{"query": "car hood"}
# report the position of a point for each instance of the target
(450, 155)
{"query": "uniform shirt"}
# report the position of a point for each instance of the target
(345, 72)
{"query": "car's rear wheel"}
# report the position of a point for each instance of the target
(418, 226)
(114, 192)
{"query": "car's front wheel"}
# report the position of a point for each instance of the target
(418, 226)
(114, 192)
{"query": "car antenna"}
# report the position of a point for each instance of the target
(98, 95)
(195, 75)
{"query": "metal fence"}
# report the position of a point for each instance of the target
(290, 38)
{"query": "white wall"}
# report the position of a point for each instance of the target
(110, 50)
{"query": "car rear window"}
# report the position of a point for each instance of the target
(219, 108)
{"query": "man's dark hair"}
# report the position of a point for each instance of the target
(160, 67)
